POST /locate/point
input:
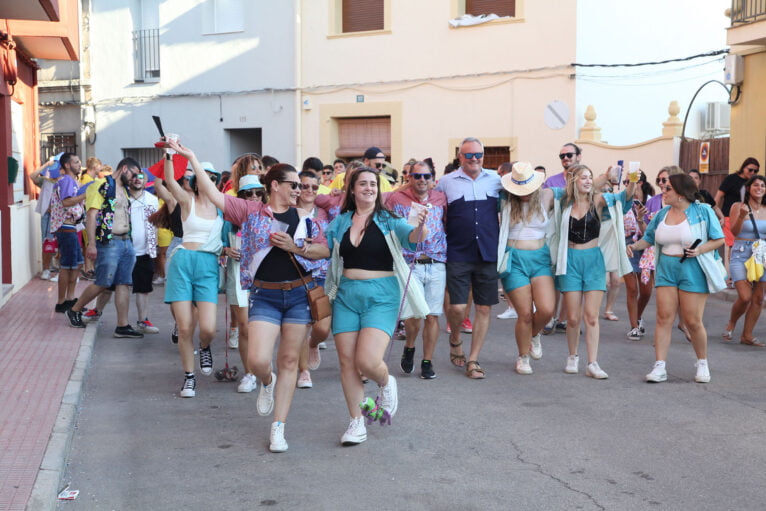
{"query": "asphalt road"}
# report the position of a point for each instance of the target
(543, 441)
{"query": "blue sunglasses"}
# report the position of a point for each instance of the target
(472, 156)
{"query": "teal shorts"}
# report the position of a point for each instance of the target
(586, 271)
(192, 277)
(524, 265)
(371, 303)
(687, 276)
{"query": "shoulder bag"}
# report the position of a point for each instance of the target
(319, 303)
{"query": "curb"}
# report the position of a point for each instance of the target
(49, 476)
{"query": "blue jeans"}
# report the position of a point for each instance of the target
(114, 263)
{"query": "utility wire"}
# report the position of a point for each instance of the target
(636, 64)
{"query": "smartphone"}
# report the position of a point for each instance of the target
(309, 228)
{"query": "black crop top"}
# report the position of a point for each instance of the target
(585, 229)
(371, 254)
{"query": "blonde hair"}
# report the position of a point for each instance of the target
(572, 194)
(524, 212)
(672, 170)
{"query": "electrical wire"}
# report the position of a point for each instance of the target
(654, 63)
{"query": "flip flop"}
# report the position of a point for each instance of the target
(609, 315)
(752, 342)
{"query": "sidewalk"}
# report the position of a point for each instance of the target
(41, 368)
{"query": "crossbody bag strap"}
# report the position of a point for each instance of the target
(752, 219)
(300, 274)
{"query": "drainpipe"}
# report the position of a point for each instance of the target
(297, 96)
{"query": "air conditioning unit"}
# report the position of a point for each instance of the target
(718, 117)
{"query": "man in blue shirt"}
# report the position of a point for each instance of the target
(472, 236)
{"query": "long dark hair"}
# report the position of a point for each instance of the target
(747, 188)
(349, 203)
(277, 173)
(684, 186)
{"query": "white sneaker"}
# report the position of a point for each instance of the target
(573, 361)
(641, 329)
(522, 365)
(536, 352)
(304, 380)
(510, 313)
(45, 275)
(234, 338)
(322, 345)
(55, 278)
(315, 358)
(277, 442)
(159, 281)
(189, 387)
(389, 398)
(247, 384)
(658, 374)
(356, 432)
(703, 371)
(594, 371)
(634, 334)
(265, 403)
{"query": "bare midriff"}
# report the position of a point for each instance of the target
(357, 274)
(583, 246)
(526, 244)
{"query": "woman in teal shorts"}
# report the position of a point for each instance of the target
(579, 259)
(366, 280)
(524, 259)
(684, 276)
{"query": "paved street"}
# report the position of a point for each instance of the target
(545, 441)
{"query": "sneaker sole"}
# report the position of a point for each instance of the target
(524, 372)
(188, 394)
(571, 371)
(278, 448)
(356, 441)
(702, 380)
(431, 377)
(595, 376)
(243, 391)
(656, 379)
(128, 336)
(305, 385)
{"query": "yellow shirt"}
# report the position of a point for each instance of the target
(86, 178)
(337, 184)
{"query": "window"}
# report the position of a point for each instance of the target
(363, 15)
(53, 143)
(145, 156)
(146, 55)
(223, 16)
(499, 7)
(356, 134)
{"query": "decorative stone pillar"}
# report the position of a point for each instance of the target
(673, 126)
(590, 131)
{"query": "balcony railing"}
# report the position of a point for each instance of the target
(747, 11)
(146, 55)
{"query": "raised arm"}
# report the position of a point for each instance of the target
(178, 193)
(205, 186)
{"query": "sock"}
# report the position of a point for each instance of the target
(702, 361)
(660, 363)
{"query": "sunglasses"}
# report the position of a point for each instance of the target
(213, 178)
(662, 180)
(378, 165)
(567, 155)
(250, 193)
(140, 177)
(473, 156)
(751, 170)
(309, 187)
(327, 172)
(293, 184)
(427, 177)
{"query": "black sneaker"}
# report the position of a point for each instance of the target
(62, 307)
(174, 334)
(206, 361)
(427, 370)
(74, 318)
(127, 331)
(407, 359)
(190, 386)
(70, 303)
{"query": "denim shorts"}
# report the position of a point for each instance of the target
(371, 303)
(45, 226)
(277, 306)
(70, 251)
(192, 277)
(741, 252)
(586, 271)
(525, 265)
(636, 256)
(432, 279)
(114, 263)
(687, 276)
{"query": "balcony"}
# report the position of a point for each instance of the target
(748, 23)
(146, 55)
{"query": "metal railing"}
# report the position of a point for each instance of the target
(146, 55)
(53, 143)
(747, 11)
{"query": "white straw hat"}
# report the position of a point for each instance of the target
(523, 179)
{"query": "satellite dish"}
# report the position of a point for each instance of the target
(556, 115)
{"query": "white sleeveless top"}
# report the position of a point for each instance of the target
(674, 238)
(197, 229)
(534, 230)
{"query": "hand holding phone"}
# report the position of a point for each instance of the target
(692, 247)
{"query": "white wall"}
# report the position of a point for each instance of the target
(631, 103)
(203, 77)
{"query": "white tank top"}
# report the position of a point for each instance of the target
(534, 230)
(197, 229)
(674, 238)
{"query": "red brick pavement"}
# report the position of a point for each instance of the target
(37, 353)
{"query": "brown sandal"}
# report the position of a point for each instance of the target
(473, 370)
(457, 360)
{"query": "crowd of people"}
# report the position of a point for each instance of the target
(395, 252)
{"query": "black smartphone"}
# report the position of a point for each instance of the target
(692, 247)
(309, 228)
(158, 123)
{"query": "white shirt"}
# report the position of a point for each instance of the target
(137, 219)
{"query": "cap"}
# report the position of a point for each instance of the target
(208, 167)
(249, 182)
(371, 153)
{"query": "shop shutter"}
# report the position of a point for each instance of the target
(356, 134)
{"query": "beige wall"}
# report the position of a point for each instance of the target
(748, 124)
(652, 154)
(429, 103)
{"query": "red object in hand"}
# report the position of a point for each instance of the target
(160, 145)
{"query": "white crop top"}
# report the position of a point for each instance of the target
(674, 238)
(197, 229)
(534, 230)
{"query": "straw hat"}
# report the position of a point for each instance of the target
(523, 179)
